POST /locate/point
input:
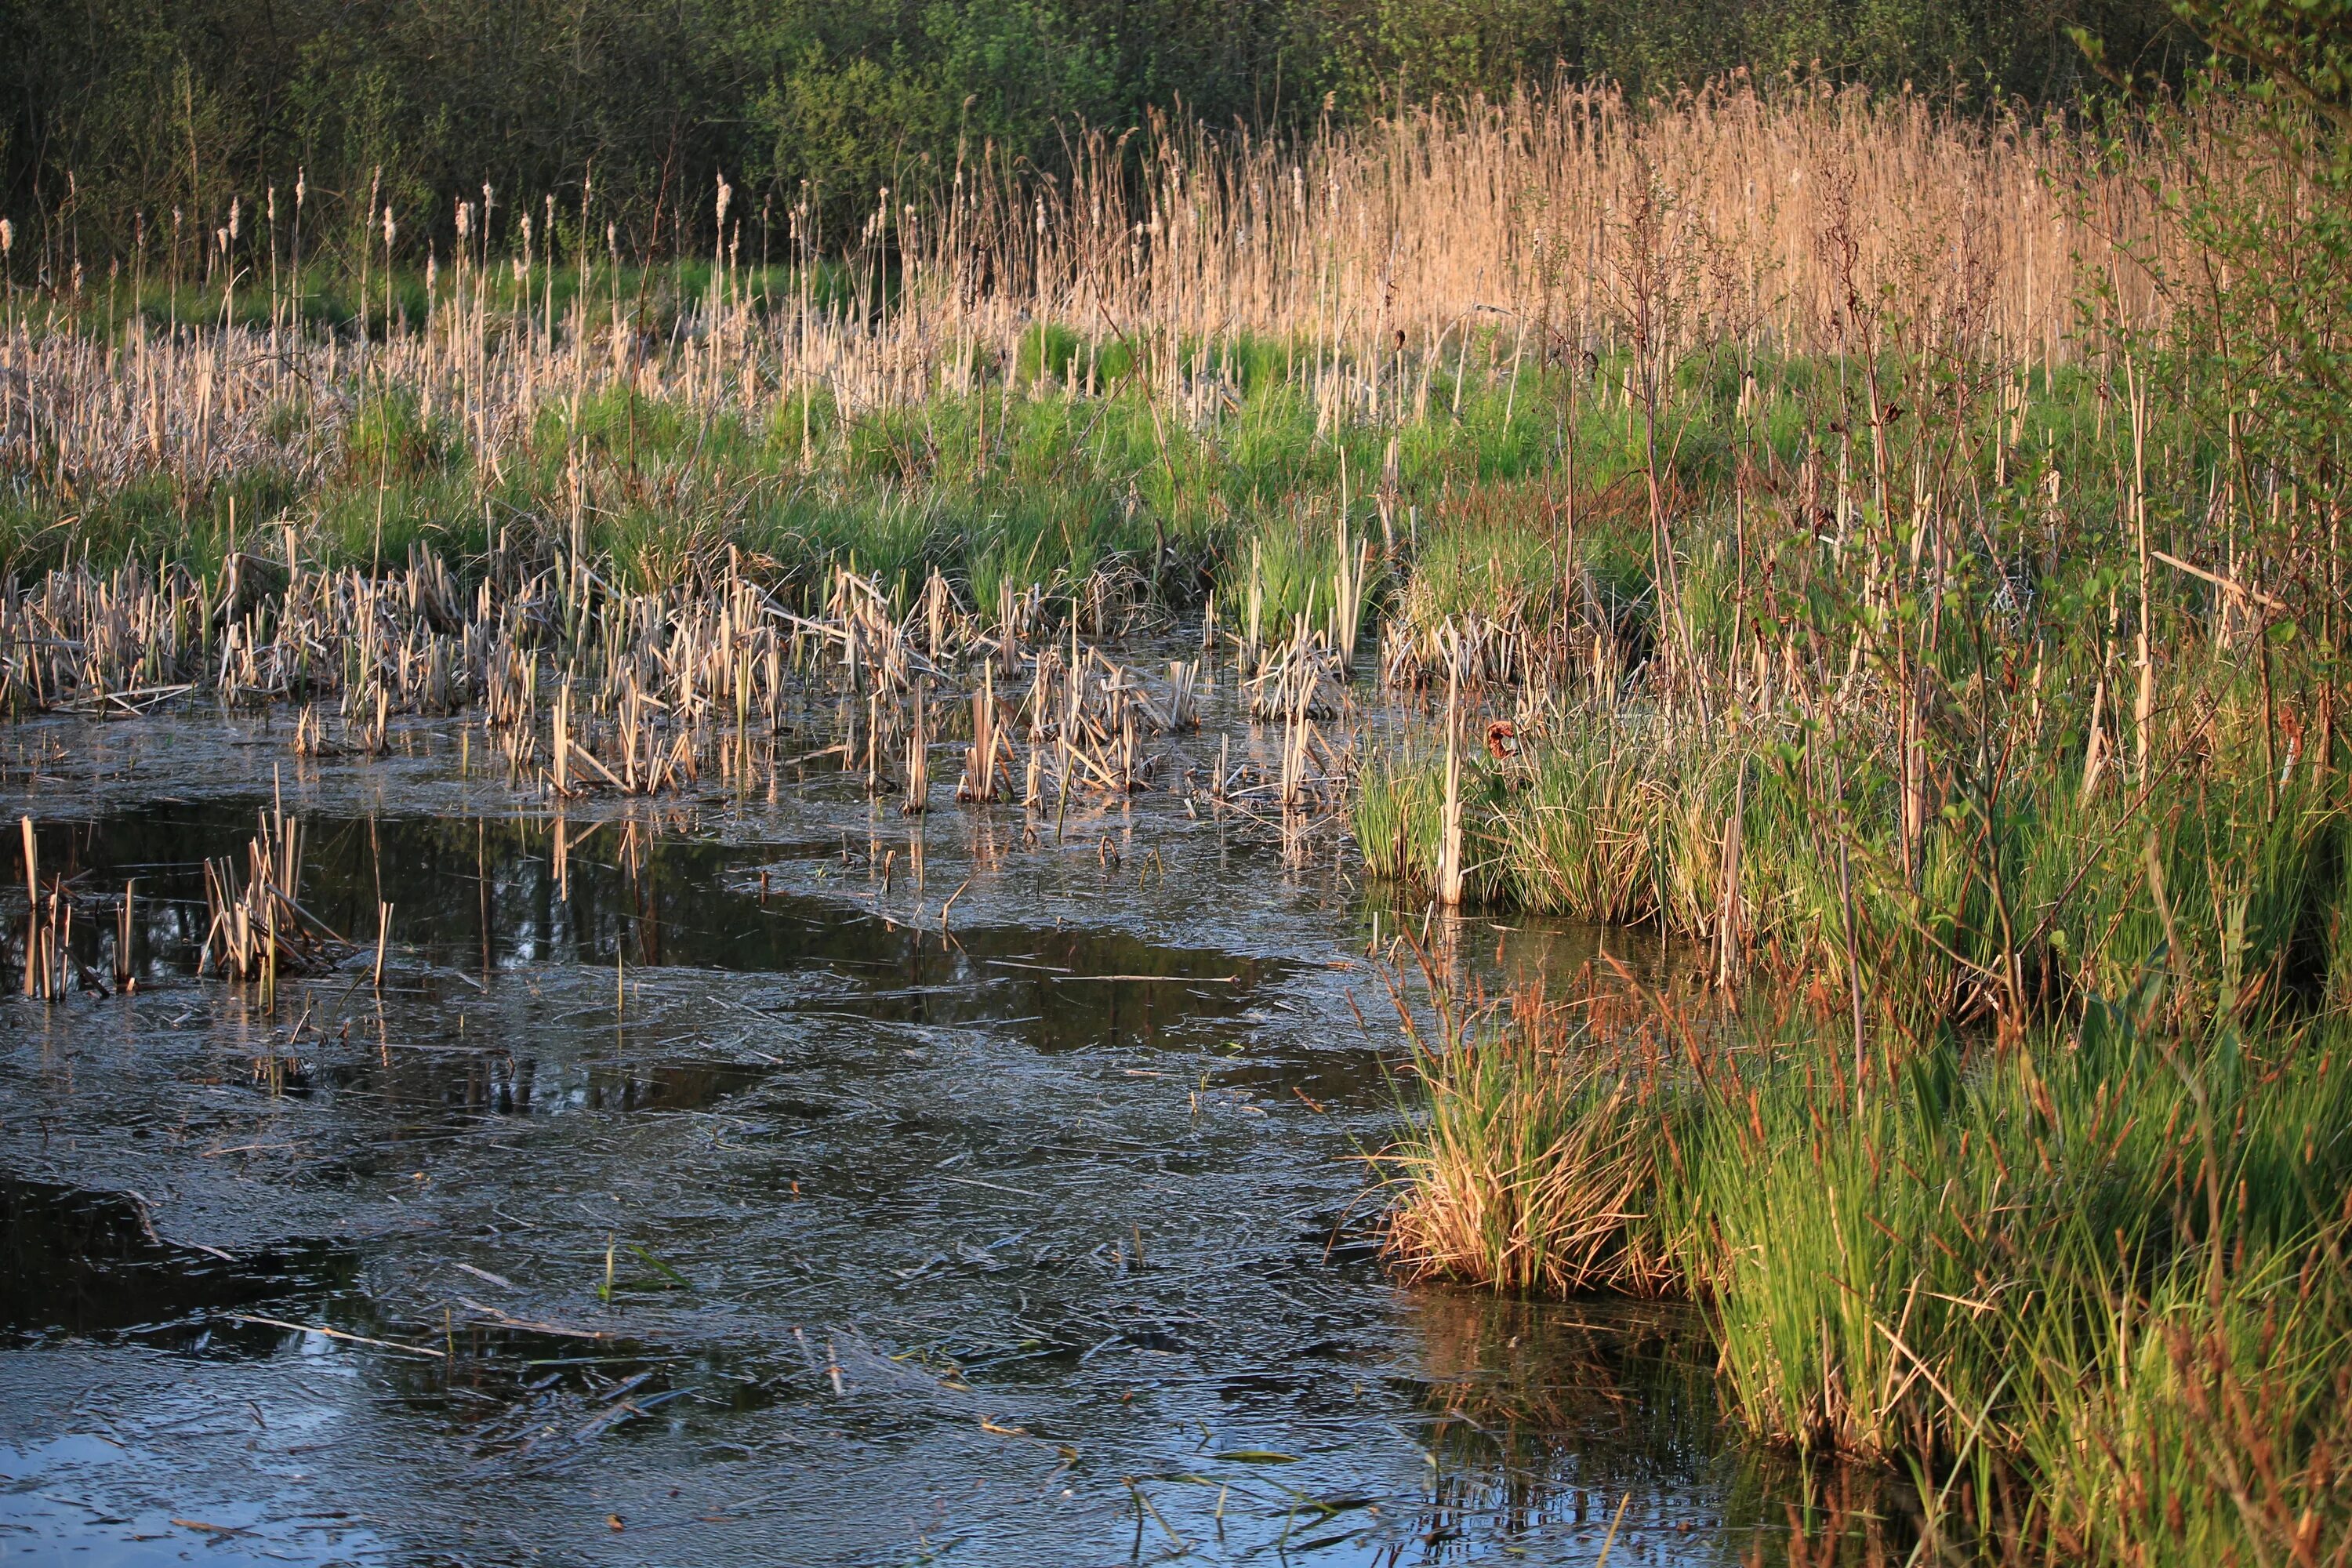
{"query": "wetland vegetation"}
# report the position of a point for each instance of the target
(1844, 587)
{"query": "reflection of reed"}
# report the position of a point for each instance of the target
(1540, 1414)
(1532, 1412)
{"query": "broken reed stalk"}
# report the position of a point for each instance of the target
(919, 762)
(985, 775)
(1449, 863)
(1355, 563)
(258, 925)
(1729, 951)
(125, 979)
(32, 912)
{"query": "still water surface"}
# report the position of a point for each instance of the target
(772, 1180)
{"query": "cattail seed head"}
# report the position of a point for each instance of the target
(464, 220)
(236, 211)
(390, 229)
(726, 194)
(7, 237)
(302, 186)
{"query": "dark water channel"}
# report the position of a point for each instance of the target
(692, 1196)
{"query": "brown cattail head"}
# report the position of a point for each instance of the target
(236, 211)
(7, 237)
(390, 229)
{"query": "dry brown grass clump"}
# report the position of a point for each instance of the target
(1538, 1160)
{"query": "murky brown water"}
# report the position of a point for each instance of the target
(701, 1200)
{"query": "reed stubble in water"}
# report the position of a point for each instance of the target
(1845, 597)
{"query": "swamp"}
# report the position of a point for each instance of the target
(1546, 827)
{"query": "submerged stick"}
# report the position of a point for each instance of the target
(337, 1334)
(1611, 1540)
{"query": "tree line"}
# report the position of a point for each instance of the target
(123, 120)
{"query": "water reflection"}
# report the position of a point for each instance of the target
(85, 1264)
(786, 1202)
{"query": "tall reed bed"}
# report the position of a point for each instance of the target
(1197, 338)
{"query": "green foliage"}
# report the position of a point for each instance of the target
(2301, 51)
(120, 115)
(391, 435)
(2268, 359)
(2108, 1260)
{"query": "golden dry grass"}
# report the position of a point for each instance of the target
(1447, 239)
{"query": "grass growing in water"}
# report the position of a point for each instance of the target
(2106, 1263)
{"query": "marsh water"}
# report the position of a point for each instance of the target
(764, 1178)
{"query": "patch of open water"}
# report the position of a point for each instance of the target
(768, 1180)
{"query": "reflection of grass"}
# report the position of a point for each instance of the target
(1556, 1412)
(1629, 1376)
